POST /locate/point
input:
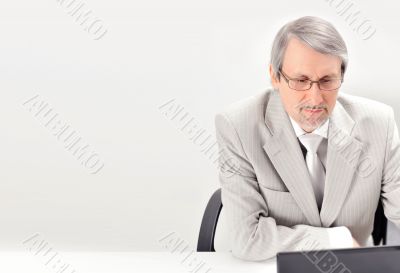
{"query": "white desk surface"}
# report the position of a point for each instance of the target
(121, 262)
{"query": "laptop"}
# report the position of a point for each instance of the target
(385, 259)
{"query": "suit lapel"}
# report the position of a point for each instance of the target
(283, 150)
(342, 161)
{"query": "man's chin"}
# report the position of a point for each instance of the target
(312, 123)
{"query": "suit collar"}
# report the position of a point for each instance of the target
(285, 154)
(344, 151)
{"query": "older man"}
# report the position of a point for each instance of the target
(308, 164)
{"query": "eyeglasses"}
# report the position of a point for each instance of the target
(306, 84)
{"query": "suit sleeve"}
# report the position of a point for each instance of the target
(254, 235)
(390, 194)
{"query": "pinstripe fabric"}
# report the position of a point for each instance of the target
(268, 198)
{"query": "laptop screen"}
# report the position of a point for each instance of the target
(384, 259)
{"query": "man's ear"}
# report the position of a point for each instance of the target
(274, 80)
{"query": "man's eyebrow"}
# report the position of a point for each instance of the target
(330, 75)
(299, 75)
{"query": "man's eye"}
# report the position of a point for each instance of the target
(325, 80)
(301, 80)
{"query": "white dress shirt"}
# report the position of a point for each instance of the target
(322, 130)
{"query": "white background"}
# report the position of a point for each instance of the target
(204, 54)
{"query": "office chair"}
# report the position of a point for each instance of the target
(379, 233)
(209, 223)
(211, 214)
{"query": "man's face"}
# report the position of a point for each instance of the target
(313, 107)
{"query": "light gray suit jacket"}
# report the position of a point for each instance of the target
(266, 189)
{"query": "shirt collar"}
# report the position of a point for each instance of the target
(322, 130)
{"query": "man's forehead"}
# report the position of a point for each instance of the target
(298, 68)
(302, 60)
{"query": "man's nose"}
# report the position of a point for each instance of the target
(314, 95)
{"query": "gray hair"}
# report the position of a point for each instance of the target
(315, 32)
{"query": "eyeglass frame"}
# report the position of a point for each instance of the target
(287, 79)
